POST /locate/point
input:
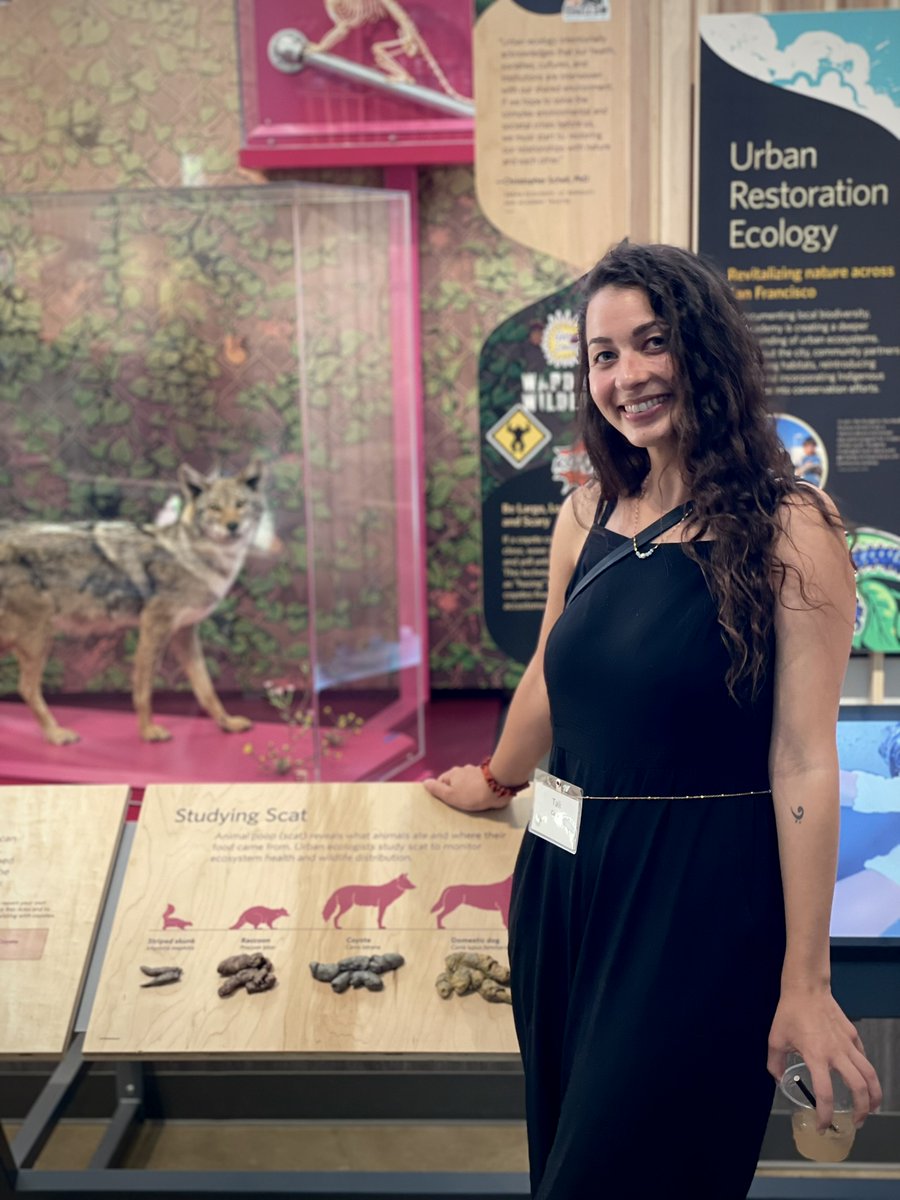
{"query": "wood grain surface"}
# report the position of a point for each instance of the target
(57, 847)
(232, 869)
(560, 159)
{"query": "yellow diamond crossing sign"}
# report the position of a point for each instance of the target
(518, 435)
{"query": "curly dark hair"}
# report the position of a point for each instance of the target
(733, 462)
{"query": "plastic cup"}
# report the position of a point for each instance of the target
(834, 1144)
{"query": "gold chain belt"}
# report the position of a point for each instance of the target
(699, 796)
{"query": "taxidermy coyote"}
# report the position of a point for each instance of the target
(95, 577)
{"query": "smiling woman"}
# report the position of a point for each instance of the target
(631, 372)
(686, 684)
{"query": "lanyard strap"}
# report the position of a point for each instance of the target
(640, 541)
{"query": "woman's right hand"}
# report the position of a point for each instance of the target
(527, 733)
(465, 788)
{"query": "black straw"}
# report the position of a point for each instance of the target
(811, 1098)
(805, 1090)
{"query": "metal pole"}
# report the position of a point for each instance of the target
(38, 1125)
(7, 1167)
(129, 1112)
(288, 52)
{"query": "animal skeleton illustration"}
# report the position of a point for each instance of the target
(347, 15)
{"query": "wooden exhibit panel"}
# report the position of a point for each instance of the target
(559, 148)
(305, 873)
(57, 848)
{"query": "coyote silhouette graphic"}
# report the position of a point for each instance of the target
(365, 895)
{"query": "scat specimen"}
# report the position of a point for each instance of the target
(240, 962)
(385, 962)
(263, 981)
(251, 971)
(469, 972)
(495, 992)
(359, 971)
(160, 976)
(478, 962)
(366, 979)
(340, 982)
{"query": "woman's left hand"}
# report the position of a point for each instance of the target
(812, 1024)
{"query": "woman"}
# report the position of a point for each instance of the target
(691, 692)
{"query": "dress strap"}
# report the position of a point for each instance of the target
(604, 511)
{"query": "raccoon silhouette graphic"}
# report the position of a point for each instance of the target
(259, 915)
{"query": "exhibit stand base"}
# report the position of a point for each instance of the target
(124, 1057)
(369, 1091)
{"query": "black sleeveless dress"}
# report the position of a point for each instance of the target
(646, 967)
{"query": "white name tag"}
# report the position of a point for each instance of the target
(556, 815)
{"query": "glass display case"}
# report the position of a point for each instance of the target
(211, 491)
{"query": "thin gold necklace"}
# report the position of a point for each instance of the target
(654, 546)
(637, 510)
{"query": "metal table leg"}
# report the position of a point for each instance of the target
(38, 1125)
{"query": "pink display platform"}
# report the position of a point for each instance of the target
(110, 750)
(457, 730)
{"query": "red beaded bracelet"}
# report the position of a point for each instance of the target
(504, 790)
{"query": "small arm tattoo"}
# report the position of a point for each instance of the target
(797, 813)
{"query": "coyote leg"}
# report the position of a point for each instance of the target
(187, 649)
(153, 631)
(31, 651)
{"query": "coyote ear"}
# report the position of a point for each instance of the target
(193, 484)
(252, 474)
